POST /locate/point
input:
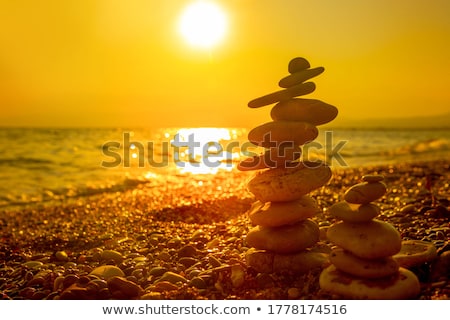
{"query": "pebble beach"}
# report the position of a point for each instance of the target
(186, 240)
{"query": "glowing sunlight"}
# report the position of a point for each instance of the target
(203, 24)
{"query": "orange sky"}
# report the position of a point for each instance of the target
(123, 63)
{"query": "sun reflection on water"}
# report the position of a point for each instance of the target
(207, 150)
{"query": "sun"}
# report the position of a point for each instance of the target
(203, 24)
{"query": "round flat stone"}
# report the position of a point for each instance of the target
(401, 285)
(33, 264)
(365, 192)
(112, 255)
(288, 184)
(294, 91)
(298, 64)
(107, 271)
(301, 262)
(312, 111)
(440, 268)
(172, 277)
(373, 178)
(274, 133)
(286, 239)
(415, 253)
(129, 288)
(275, 214)
(369, 240)
(364, 268)
(354, 212)
(272, 158)
(300, 77)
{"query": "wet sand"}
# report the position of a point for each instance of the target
(187, 240)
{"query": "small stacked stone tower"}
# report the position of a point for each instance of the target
(362, 264)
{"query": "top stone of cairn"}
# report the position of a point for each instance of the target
(298, 64)
(294, 85)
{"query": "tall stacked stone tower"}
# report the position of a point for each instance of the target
(284, 233)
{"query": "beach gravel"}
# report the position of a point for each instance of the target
(187, 240)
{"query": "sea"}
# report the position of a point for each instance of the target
(44, 164)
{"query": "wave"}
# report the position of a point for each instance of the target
(45, 165)
(421, 147)
(430, 145)
(25, 162)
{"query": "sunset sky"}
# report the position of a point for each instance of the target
(115, 63)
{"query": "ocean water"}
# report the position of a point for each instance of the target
(41, 164)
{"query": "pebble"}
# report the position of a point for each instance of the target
(27, 292)
(157, 271)
(274, 133)
(275, 214)
(299, 77)
(286, 94)
(172, 277)
(213, 243)
(410, 208)
(298, 64)
(268, 262)
(107, 271)
(365, 192)
(260, 260)
(70, 265)
(311, 111)
(76, 292)
(272, 158)
(369, 240)
(192, 273)
(69, 280)
(353, 212)
(441, 267)
(139, 259)
(293, 293)
(58, 283)
(402, 285)
(187, 251)
(164, 256)
(372, 178)
(415, 253)
(152, 296)
(284, 239)
(32, 264)
(264, 280)
(364, 268)
(187, 261)
(198, 234)
(164, 286)
(127, 287)
(99, 283)
(237, 276)
(112, 255)
(61, 256)
(288, 184)
(214, 262)
(36, 281)
(198, 282)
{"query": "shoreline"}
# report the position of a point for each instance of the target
(196, 230)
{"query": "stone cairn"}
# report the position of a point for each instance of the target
(363, 265)
(284, 235)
